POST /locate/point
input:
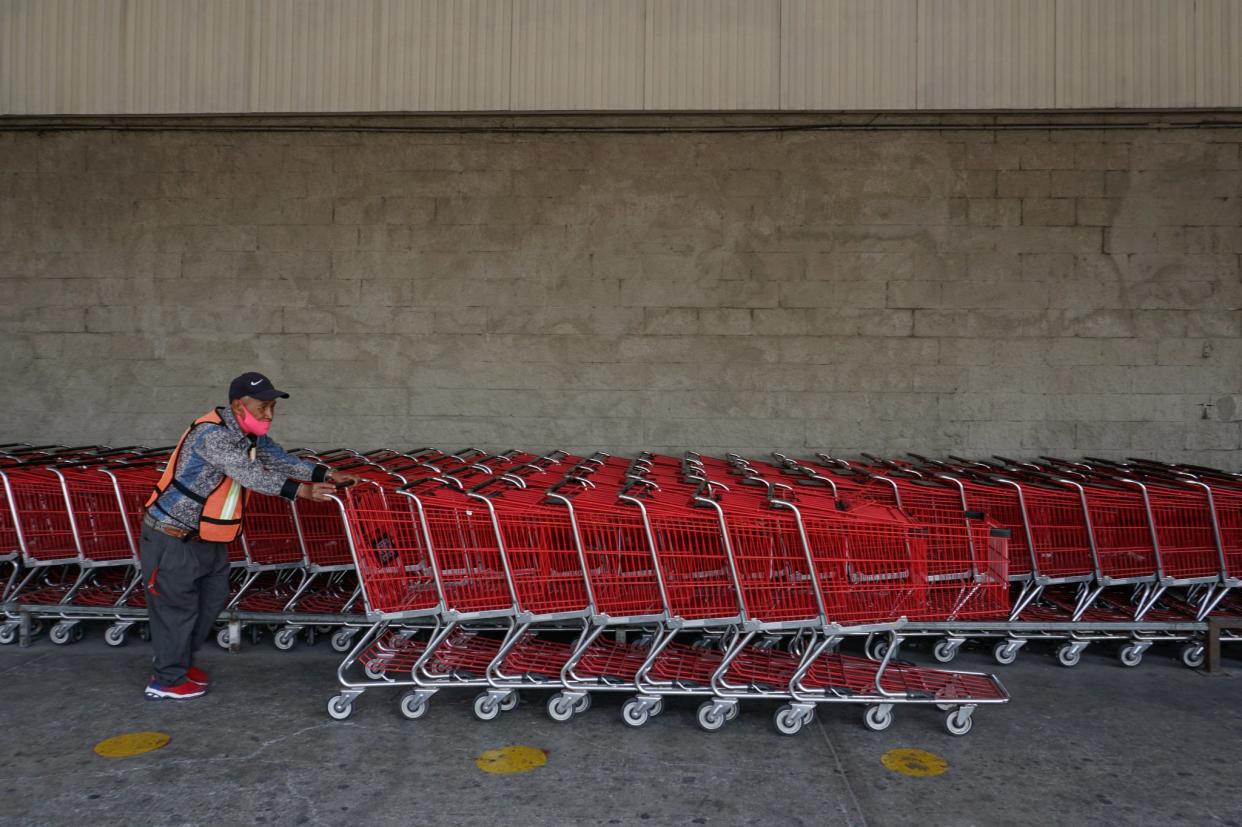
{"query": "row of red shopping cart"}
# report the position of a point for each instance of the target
(725, 579)
(1133, 552)
(656, 577)
(69, 526)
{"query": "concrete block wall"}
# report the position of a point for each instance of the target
(1063, 291)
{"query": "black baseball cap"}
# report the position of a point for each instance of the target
(256, 385)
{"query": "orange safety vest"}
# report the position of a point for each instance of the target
(221, 520)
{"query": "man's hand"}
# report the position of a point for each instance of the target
(342, 478)
(316, 491)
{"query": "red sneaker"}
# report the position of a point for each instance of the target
(198, 676)
(182, 691)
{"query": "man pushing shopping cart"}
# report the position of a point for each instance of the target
(196, 510)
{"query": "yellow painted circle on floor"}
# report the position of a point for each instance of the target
(131, 743)
(510, 760)
(915, 762)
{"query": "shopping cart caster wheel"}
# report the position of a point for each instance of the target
(1068, 656)
(8, 634)
(310, 635)
(732, 712)
(957, 724)
(1192, 655)
(341, 642)
(583, 704)
(944, 651)
(222, 638)
(709, 717)
(144, 632)
(788, 721)
(946, 707)
(285, 639)
(340, 707)
(60, 634)
(658, 708)
(510, 701)
(256, 635)
(412, 706)
(115, 636)
(374, 670)
(634, 713)
(560, 708)
(1004, 653)
(1130, 655)
(877, 718)
(876, 649)
(485, 708)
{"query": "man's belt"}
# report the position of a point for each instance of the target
(165, 528)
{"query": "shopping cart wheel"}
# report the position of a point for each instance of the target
(657, 707)
(8, 634)
(342, 641)
(1131, 655)
(876, 648)
(1191, 654)
(144, 632)
(710, 718)
(509, 701)
(412, 706)
(788, 721)
(945, 651)
(61, 633)
(485, 707)
(560, 708)
(374, 669)
(115, 636)
(340, 707)
(958, 722)
(878, 718)
(1068, 655)
(285, 639)
(732, 711)
(222, 638)
(634, 712)
(1004, 653)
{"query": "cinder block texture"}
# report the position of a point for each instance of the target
(944, 291)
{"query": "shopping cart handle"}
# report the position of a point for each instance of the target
(516, 482)
(571, 479)
(637, 482)
(444, 481)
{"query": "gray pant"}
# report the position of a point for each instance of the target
(187, 587)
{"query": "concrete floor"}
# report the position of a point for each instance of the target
(1099, 744)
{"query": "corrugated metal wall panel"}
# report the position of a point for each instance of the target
(445, 55)
(62, 56)
(313, 55)
(1125, 53)
(987, 54)
(187, 56)
(713, 54)
(578, 54)
(1218, 75)
(848, 54)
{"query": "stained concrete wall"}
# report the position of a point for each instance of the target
(974, 291)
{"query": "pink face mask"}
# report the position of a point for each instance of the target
(252, 425)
